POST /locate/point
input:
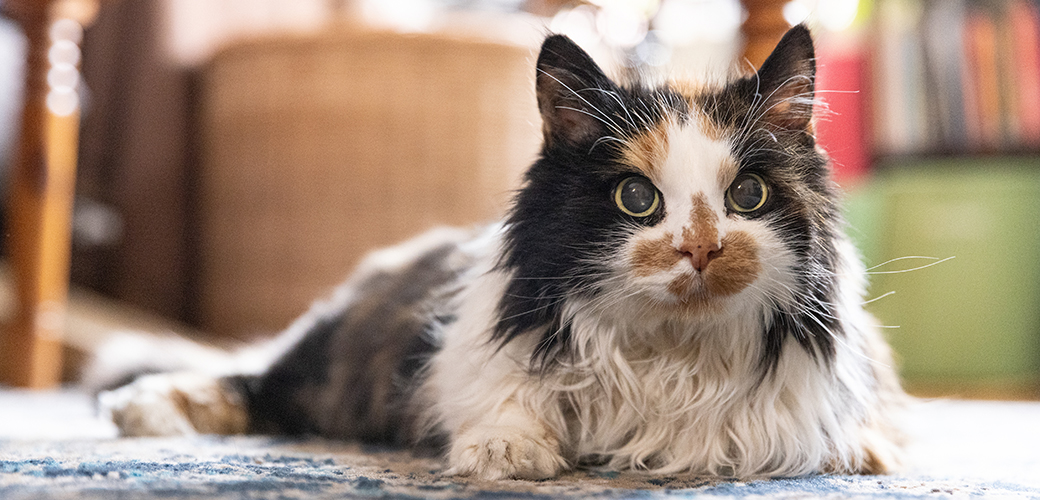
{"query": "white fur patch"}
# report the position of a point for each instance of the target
(666, 396)
(691, 168)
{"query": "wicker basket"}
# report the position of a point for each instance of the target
(317, 149)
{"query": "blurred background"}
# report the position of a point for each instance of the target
(233, 159)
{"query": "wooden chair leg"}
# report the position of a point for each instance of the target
(41, 192)
(765, 25)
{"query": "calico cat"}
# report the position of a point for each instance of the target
(671, 291)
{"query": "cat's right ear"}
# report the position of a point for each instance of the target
(569, 85)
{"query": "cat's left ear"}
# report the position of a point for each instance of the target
(570, 88)
(787, 88)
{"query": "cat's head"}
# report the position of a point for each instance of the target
(680, 203)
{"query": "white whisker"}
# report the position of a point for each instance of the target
(918, 268)
(879, 297)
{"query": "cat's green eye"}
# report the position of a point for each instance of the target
(747, 193)
(637, 196)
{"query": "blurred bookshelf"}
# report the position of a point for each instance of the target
(956, 77)
(951, 134)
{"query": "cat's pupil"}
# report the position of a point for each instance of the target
(637, 196)
(747, 193)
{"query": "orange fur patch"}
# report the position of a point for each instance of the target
(874, 464)
(703, 221)
(647, 150)
(689, 89)
(712, 129)
(653, 256)
(736, 267)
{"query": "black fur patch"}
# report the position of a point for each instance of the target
(350, 376)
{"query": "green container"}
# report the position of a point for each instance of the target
(973, 320)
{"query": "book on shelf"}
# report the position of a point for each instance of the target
(956, 77)
(1025, 39)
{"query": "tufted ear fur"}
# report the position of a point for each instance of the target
(569, 85)
(787, 82)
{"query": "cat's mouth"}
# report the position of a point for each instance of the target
(734, 267)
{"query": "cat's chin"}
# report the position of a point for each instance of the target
(702, 292)
(685, 296)
(696, 299)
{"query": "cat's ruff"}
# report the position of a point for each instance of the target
(706, 317)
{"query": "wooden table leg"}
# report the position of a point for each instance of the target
(41, 189)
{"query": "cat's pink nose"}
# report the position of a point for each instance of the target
(700, 251)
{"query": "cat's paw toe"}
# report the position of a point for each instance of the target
(174, 404)
(505, 453)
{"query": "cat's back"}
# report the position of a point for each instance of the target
(350, 360)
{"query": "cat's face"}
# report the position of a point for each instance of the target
(674, 202)
(705, 245)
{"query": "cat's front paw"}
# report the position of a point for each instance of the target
(504, 452)
(175, 404)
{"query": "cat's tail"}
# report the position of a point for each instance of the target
(128, 355)
(151, 384)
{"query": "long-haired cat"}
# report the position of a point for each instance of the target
(671, 291)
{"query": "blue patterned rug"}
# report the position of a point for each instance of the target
(52, 447)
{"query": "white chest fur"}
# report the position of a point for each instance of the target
(671, 396)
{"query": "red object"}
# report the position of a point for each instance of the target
(1025, 28)
(982, 83)
(841, 125)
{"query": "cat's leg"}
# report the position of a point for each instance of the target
(176, 404)
(875, 454)
(335, 371)
(506, 443)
